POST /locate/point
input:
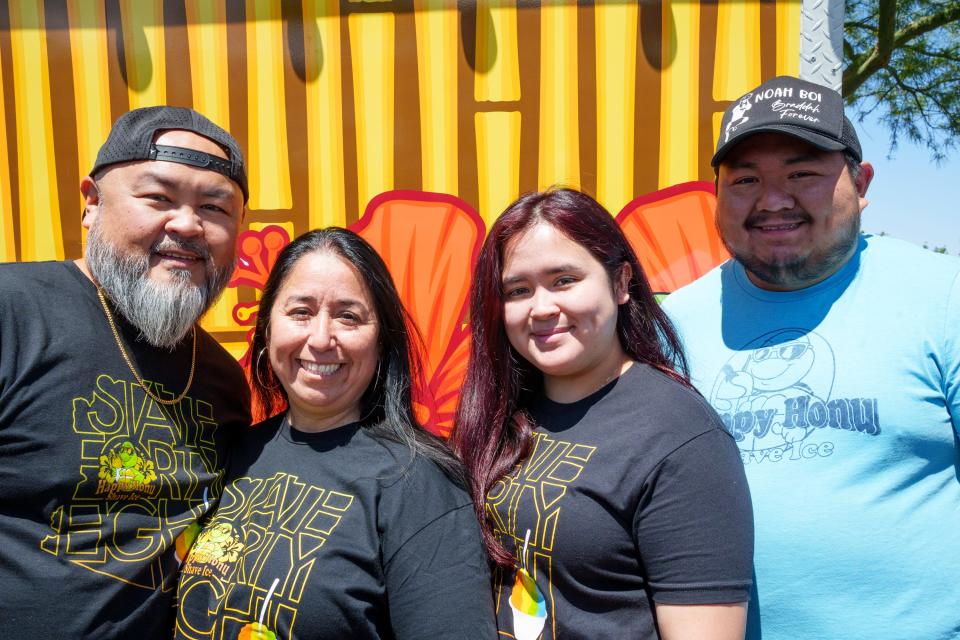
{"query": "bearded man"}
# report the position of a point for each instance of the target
(833, 358)
(116, 409)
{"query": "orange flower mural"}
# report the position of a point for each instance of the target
(673, 234)
(430, 243)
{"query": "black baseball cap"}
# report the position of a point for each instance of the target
(795, 107)
(131, 139)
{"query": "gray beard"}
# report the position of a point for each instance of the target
(163, 312)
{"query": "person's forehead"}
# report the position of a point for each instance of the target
(544, 247)
(771, 145)
(189, 140)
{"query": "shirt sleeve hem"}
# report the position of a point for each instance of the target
(702, 593)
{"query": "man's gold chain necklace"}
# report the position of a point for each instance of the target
(133, 370)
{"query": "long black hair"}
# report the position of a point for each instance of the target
(387, 403)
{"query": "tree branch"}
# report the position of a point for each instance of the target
(927, 24)
(860, 69)
(858, 72)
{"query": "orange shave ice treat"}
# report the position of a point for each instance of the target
(185, 540)
(256, 631)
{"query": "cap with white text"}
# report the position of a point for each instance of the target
(811, 112)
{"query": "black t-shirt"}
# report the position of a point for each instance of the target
(96, 479)
(632, 496)
(336, 534)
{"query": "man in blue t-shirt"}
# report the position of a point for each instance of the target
(833, 358)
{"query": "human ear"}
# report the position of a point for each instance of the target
(862, 183)
(91, 200)
(621, 288)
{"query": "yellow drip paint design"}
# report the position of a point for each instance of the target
(559, 160)
(498, 161)
(268, 165)
(88, 52)
(144, 46)
(437, 54)
(497, 77)
(8, 248)
(788, 37)
(616, 43)
(39, 207)
(679, 92)
(209, 76)
(716, 121)
(209, 72)
(736, 68)
(372, 51)
(324, 114)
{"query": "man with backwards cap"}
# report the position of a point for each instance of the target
(833, 358)
(116, 409)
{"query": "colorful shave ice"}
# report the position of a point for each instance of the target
(256, 631)
(189, 535)
(526, 597)
(528, 606)
(185, 540)
(527, 603)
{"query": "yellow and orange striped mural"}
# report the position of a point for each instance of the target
(415, 122)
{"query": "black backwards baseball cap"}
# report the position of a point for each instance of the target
(811, 112)
(131, 139)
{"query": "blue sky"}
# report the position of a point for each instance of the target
(911, 197)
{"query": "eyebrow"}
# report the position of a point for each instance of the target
(343, 302)
(560, 268)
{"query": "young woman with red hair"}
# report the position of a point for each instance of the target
(609, 494)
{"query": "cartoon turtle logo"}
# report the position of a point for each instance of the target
(218, 543)
(759, 382)
(125, 466)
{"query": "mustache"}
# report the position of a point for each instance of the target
(195, 247)
(756, 218)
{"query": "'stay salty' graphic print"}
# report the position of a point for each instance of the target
(255, 559)
(526, 507)
(137, 459)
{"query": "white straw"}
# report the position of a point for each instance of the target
(263, 609)
(526, 541)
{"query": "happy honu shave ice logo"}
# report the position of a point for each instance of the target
(775, 397)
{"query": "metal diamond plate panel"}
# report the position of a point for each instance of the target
(821, 42)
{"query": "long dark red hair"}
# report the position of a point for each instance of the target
(493, 431)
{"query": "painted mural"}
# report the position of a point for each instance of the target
(413, 122)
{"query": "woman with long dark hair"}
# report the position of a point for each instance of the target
(341, 517)
(609, 495)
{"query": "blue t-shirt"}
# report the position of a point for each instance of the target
(844, 399)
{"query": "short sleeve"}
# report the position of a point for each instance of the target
(694, 524)
(438, 582)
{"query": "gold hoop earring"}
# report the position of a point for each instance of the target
(256, 373)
